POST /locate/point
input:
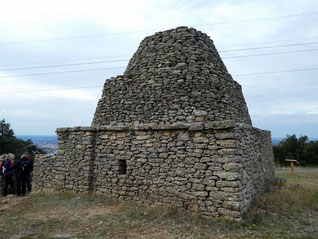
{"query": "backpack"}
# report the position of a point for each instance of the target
(2, 168)
(24, 167)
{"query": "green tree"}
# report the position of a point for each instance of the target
(5, 130)
(304, 151)
(10, 144)
(311, 152)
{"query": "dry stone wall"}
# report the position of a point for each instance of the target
(173, 129)
(176, 75)
(258, 160)
(200, 167)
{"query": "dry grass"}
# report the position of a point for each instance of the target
(306, 177)
(291, 212)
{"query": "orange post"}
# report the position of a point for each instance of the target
(292, 163)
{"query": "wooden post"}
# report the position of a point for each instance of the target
(292, 163)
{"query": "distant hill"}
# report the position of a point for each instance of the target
(276, 140)
(39, 139)
(46, 142)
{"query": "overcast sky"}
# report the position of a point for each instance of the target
(107, 33)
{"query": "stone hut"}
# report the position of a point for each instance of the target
(173, 129)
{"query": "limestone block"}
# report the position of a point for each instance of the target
(231, 184)
(200, 193)
(190, 118)
(209, 182)
(200, 140)
(79, 146)
(199, 113)
(226, 135)
(198, 187)
(200, 166)
(232, 166)
(179, 125)
(184, 136)
(227, 143)
(231, 176)
(229, 152)
(196, 126)
(142, 160)
(104, 136)
(217, 195)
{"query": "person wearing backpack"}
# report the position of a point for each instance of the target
(23, 171)
(8, 175)
(2, 168)
(29, 177)
(2, 173)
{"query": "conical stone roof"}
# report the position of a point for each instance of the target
(174, 76)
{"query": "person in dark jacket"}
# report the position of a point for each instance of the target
(23, 172)
(29, 177)
(2, 172)
(8, 175)
(2, 167)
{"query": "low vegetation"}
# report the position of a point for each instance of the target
(288, 212)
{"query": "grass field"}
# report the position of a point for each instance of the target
(291, 212)
(307, 177)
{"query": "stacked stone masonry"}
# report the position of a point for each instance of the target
(173, 130)
(174, 76)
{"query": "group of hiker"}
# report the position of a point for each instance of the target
(18, 172)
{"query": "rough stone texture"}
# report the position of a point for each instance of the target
(174, 129)
(214, 171)
(176, 75)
